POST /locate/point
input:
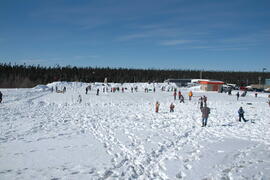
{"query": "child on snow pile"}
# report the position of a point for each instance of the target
(241, 114)
(172, 107)
(157, 106)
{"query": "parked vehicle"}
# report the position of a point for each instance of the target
(243, 88)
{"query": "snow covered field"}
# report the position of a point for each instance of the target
(45, 135)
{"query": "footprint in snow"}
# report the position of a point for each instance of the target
(180, 175)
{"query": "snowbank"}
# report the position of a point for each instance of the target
(49, 135)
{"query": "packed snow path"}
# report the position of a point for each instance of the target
(47, 135)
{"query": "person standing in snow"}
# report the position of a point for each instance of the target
(157, 107)
(237, 95)
(79, 99)
(190, 94)
(201, 102)
(205, 113)
(1, 96)
(174, 95)
(172, 107)
(179, 94)
(256, 94)
(97, 91)
(241, 114)
(230, 91)
(182, 99)
(204, 100)
(86, 90)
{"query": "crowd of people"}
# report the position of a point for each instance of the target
(203, 105)
(205, 110)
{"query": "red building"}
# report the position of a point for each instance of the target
(210, 85)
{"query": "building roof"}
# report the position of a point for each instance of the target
(207, 81)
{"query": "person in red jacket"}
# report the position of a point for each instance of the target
(157, 107)
(174, 95)
(179, 94)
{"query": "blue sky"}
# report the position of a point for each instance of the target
(178, 34)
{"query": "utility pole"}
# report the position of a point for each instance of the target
(201, 74)
(260, 78)
(263, 76)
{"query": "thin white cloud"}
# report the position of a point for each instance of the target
(214, 48)
(133, 36)
(176, 42)
(157, 33)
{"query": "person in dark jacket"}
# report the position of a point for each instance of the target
(172, 107)
(1, 96)
(205, 114)
(241, 113)
(205, 100)
(201, 102)
(182, 99)
(79, 99)
(237, 95)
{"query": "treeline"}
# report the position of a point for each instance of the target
(23, 76)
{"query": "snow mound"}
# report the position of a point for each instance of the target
(41, 87)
